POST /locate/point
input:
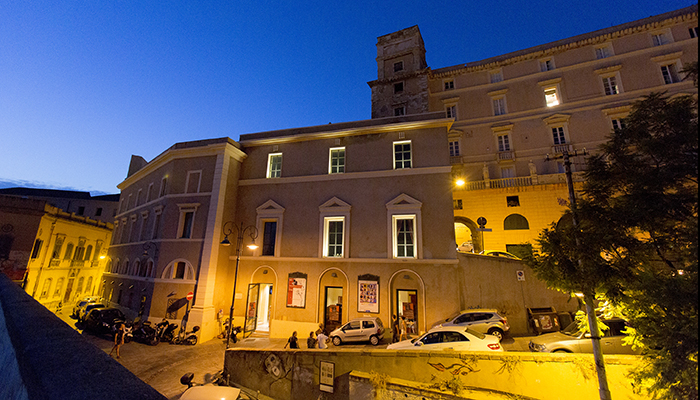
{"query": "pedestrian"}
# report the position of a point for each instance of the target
(322, 340)
(311, 341)
(394, 329)
(292, 341)
(402, 328)
(320, 329)
(118, 340)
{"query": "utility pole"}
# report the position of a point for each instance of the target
(589, 298)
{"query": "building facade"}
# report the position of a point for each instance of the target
(56, 256)
(517, 114)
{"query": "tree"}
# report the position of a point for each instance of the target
(635, 242)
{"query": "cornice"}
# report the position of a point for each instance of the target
(345, 176)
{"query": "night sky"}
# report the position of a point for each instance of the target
(85, 84)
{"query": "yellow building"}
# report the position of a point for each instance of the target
(514, 111)
(57, 256)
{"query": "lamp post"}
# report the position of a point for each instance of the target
(228, 229)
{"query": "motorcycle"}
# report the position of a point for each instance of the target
(234, 331)
(188, 338)
(166, 331)
(145, 333)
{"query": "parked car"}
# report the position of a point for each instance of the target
(573, 340)
(208, 391)
(481, 320)
(103, 320)
(85, 310)
(82, 302)
(466, 247)
(498, 253)
(358, 330)
(450, 337)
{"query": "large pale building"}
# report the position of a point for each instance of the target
(514, 111)
(359, 218)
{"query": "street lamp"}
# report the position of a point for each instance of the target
(240, 232)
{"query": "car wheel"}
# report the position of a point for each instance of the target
(561, 351)
(497, 333)
(374, 340)
(192, 340)
(336, 341)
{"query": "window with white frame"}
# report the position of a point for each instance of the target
(558, 135)
(610, 79)
(448, 84)
(496, 75)
(693, 32)
(604, 51)
(186, 224)
(610, 85)
(503, 142)
(451, 111)
(179, 269)
(163, 186)
(507, 172)
(454, 147)
(404, 219)
(336, 160)
(670, 73)
(499, 106)
(402, 154)
(269, 225)
(333, 236)
(274, 165)
(546, 64)
(661, 38)
(193, 181)
(399, 111)
(618, 123)
(551, 96)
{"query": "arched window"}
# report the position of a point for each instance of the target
(45, 288)
(88, 253)
(179, 269)
(145, 268)
(79, 289)
(108, 266)
(59, 287)
(515, 222)
(69, 251)
(88, 287)
(136, 268)
(125, 267)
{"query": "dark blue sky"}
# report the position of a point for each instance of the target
(85, 84)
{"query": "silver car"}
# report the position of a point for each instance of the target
(359, 330)
(574, 340)
(481, 320)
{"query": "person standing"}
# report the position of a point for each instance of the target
(311, 341)
(403, 327)
(292, 342)
(118, 340)
(394, 329)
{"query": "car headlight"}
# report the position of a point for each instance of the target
(538, 347)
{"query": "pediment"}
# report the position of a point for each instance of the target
(556, 119)
(269, 206)
(403, 201)
(334, 204)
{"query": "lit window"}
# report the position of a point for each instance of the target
(402, 154)
(404, 236)
(333, 228)
(551, 96)
(337, 160)
(449, 84)
(610, 85)
(274, 165)
(496, 76)
(558, 135)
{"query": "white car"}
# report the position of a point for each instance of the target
(450, 337)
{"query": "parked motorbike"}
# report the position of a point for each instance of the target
(235, 331)
(128, 330)
(145, 333)
(189, 338)
(166, 331)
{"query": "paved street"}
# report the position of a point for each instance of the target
(162, 366)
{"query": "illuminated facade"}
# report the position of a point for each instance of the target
(512, 111)
(55, 255)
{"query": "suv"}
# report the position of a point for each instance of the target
(359, 329)
(481, 320)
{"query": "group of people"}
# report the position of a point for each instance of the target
(315, 339)
(399, 329)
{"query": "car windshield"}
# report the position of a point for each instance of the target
(453, 316)
(475, 333)
(112, 314)
(572, 330)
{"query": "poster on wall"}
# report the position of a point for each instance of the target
(296, 290)
(368, 298)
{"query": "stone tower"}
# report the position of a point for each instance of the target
(401, 87)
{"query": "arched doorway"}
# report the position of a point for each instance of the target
(408, 299)
(259, 304)
(466, 232)
(333, 292)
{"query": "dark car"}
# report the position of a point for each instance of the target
(103, 320)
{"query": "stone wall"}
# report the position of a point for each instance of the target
(43, 358)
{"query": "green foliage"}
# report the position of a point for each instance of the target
(636, 241)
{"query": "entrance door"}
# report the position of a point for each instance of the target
(69, 288)
(264, 308)
(333, 314)
(251, 309)
(407, 306)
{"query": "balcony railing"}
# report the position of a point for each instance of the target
(455, 159)
(508, 155)
(521, 181)
(561, 148)
(55, 262)
(76, 263)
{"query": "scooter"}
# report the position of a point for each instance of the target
(145, 333)
(166, 331)
(234, 331)
(189, 338)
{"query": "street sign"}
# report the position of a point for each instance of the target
(189, 296)
(481, 221)
(521, 275)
